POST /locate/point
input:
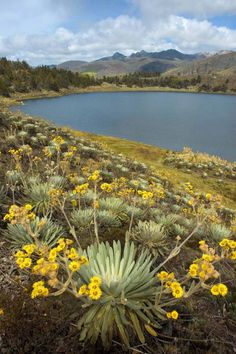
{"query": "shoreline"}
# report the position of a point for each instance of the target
(151, 155)
(16, 97)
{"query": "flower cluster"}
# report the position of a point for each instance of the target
(229, 248)
(219, 289)
(93, 289)
(106, 187)
(172, 315)
(145, 194)
(169, 281)
(39, 290)
(20, 215)
(81, 189)
(58, 141)
(94, 176)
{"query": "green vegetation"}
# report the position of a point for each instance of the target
(16, 76)
(108, 239)
(19, 78)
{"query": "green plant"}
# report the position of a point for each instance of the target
(48, 233)
(128, 294)
(37, 194)
(218, 232)
(150, 235)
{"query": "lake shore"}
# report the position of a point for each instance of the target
(151, 155)
(16, 97)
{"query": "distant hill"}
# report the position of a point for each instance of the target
(217, 71)
(71, 64)
(218, 63)
(142, 61)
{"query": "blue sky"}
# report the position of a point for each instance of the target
(52, 31)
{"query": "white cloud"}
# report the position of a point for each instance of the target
(123, 33)
(152, 9)
(32, 16)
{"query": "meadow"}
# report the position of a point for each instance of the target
(107, 248)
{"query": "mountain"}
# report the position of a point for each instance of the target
(140, 61)
(220, 63)
(170, 54)
(169, 61)
(71, 64)
(217, 71)
(115, 56)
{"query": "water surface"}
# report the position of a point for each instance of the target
(172, 120)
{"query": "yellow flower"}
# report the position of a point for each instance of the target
(53, 266)
(20, 261)
(168, 315)
(40, 290)
(97, 280)
(175, 285)
(95, 294)
(233, 255)
(95, 176)
(27, 262)
(207, 257)
(73, 253)
(208, 196)
(61, 246)
(215, 290)
(74, 266)
(93, 286)
(52, 254)
(20, 254)
(174, 315)
(28, 207)
(29, 249)
(232, 244)
(1, 311)
(106, 187)
(224, 243)
(83, 260)
(223, 290)
(192, 273)
(24, 262)
(162, 275)
(202, 275)
(83, 290)
(38, 283)
(178, 292)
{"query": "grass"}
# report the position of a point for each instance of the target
(154, 157)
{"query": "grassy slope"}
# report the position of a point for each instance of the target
(151, 155)
(154, 157)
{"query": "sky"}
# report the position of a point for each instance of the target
(53, 31)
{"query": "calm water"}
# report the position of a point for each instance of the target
(204, 122)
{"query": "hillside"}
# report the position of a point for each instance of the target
(142, 61)
(216, 70)
(154, 283)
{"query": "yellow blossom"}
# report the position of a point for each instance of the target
(74, 266)
(95, 294)
(97, 280)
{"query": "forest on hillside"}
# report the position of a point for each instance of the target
(20, 77)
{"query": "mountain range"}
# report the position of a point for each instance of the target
(168, 61)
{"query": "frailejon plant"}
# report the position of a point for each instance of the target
(121, 291)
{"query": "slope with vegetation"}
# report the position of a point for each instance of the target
(21, 79)
(103, 251)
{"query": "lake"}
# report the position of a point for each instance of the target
(204, 122)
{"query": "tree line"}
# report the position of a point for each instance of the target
(19, 76)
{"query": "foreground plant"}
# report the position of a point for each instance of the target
(120, 291)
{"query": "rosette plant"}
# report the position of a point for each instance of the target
(129, 292)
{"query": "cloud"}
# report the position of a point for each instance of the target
(33, 16)
(153, 9)
(124, 33)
